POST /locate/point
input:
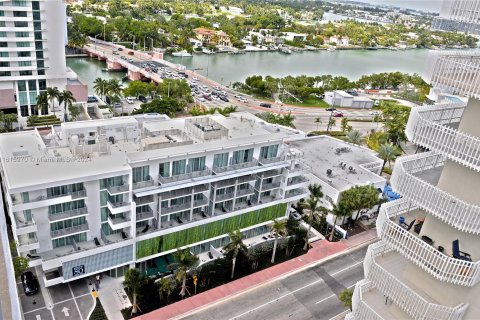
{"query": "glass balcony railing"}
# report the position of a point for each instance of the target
(235, 167)
(68, 231)
(186, 176)
(143, 184)
(68, 214)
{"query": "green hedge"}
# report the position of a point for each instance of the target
(185, 237)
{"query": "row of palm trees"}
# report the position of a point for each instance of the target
(52, 94)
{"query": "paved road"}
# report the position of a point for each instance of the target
(310, 294)
(71, 301)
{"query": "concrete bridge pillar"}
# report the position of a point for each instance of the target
(113, 65)
(132, 75)
(158, 55)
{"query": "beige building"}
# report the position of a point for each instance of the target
(426, 265)
(213, 37)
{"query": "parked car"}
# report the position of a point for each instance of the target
(91, 99)
(117, 105)
(142, 99)
(130, 60)
(265, 105)
(338, 114)
(130, 99)
(120, 49)
(116, 53)
(331, 109)
(367, 215)
(208, 97)
(29, 283)
(374, 113)
(223, 98)
(295, 215)
(131, 53)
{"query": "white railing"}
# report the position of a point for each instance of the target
(446, 207)
(427, 257)
(427, 127)
(404, 297)
(362, 310)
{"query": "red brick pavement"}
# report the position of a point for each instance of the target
(320, 250)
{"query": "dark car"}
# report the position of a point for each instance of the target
(29, 283)
(92, 99)
(223, 98)
(331, 109)
(208, 97)
(142, 99)
(265, 105)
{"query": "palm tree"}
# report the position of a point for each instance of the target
(114, 90)
(235, 246)
(133, 281)
(318, 120)
(287, 120)
(166, 286)
(278, 228)
(354, 137)
(313, 208)
(53, 93)
(66, 97)
(100, 87)
(340, 210)
(184, 261)
(42, 103)
(387, 152)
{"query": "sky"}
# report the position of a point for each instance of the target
(426, 5)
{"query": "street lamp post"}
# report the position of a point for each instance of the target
(95, 47)
(151, 42)
(104, 24)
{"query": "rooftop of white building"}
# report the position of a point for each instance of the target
(325, 153)
(99, 148)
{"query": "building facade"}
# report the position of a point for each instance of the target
(213, 37)
(105, 195)
(32, 53)
(426, 265)
(459, 15)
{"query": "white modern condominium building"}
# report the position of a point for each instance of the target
(426, 265)
(459, 15)
(94, 196)
(32, 54)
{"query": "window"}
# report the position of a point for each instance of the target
(220, 160)
(269, 152)
(21, 34)
(178, 167)
(22, 85)
(164, 169)
(36, 15)
(60, 225)
(243, 156)
(66, 241)
(5, 74)
(23, 54)
(37, 26)
(4, 64)
(20, 14)
(42, 84)
(23, 44)
(25, 73)
(24, 111)
(3, 44)
(33, 97)
(2, 13)
(64, 190)
(41, 72)
(196, 164)
(104, 214)
(3, 34)
(22, 98)
(21, 24)
(141, 174)
(19, 3)
(66, 206)
(38, 46)
(103, 198)
(24, 63)
(38, 35)
(4, 54)
(40, 64)
(35, 5)
(39, 54)
(32, 86)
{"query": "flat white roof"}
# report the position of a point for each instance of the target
(343, 94)
(320, 155)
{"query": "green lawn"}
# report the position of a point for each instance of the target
(310, 102)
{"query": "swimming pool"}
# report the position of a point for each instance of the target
(454, 99)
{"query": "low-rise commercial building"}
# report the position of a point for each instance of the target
(340, 98)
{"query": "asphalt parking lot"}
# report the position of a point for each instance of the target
(70, 301)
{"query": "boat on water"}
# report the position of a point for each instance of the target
(206, 51)
(182, 53)
(331, 49)
(285, 50)
(237, 52)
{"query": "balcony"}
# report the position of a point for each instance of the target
(403, 291)
(275, 160)
(270, 186)
(361, 310)
(176, 194)
(113, 190)
(140, 201)
(143, 184)
(68, 214)
(69, 231)
(296, 193)
(26, 244)
(297, 180)
(194, 176)
(272, 173)
(176, 208)
(236, 167)
(431, 127)
(141, 216)
(419, 252)
(200, 202)
(224, 197)
(451, 210)
(118, 207)
(175, 223)
(245, 192)
(18, 204)
(118, 221)
(24, 226)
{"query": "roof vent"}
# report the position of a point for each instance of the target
(21, 153)
(329, 172)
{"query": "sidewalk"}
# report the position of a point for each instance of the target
(321, 250)
(113, 297)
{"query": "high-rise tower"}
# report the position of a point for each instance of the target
(426, 265)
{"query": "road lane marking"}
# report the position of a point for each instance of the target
(294, 291)
(333, 295)
(74, 300)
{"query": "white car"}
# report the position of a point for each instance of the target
(130, 100)
(195, 78)
(374, 113)
(202, 99)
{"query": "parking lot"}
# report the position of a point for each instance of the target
(69, 301)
